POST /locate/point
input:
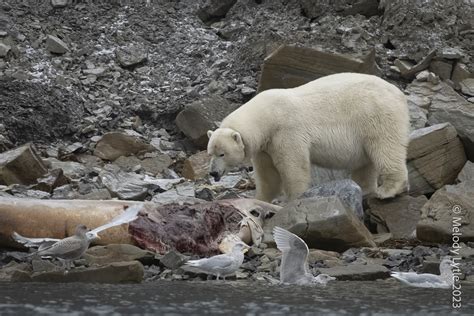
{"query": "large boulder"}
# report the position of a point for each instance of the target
(197, 166)
(291, 66)
(323, 223)
(103, 255)
(435, 157)
(449, 215)
(203, 115)
(347, 190)
(398, 216)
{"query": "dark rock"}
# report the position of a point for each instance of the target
(442, 68)
(173, 260)
(56, 45)
(346, 190)
(215, 10)
(357, 272)
(55, 178)
(398, 215)
(117, 272)
(15, 272)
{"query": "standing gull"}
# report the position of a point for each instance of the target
(73, 247)
(294, 261)
(68, 249)
(443, 281)
(220, 265)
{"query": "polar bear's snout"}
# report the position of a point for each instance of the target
(215, 175)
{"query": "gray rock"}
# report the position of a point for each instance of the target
(56, 45)
(203, 115)
(442, 68)
(451, 206)
(4, 49)
(467, 87)
(131, 56)
(448, 106)
(21, 165)
(347, 190)
(173, 259)
(71, 169)
(132, 186)
(117, 272)
(115, 144)
(450, 53)
(59, 3)
(418, 117)
(460, 72)
(102, 255)
(398, 216)
(435, 157)
(357, 272)
(323, 223)
(467, 172)
(320, 175)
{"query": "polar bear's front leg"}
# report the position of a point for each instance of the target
(267, 177)
(295, 171)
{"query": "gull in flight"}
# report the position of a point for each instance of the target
(294, 261)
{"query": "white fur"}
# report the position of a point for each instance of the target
(343, 121)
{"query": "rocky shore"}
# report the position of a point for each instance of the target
(106, 100)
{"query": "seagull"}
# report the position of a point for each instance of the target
(294, 262)
(68, 249)
(129, 215)
(73, 247)
(220, 265)
(428, 280)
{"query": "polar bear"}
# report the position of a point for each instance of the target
(343, 121)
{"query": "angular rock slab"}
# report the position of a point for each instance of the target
(113, 273)
(203, 115)
(399, 215)
(451, 206)
(435, 158)
(290, 66)
(323, 223)
(115, 144)
(21, 165)
(197, 166)
(357, 272)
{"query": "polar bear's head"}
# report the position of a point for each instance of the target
(226, 149)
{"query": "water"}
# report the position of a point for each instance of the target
(229, 298)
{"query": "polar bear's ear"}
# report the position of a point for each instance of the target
(209, 134)
(236, 136)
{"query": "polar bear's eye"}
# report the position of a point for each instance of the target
(221, 155)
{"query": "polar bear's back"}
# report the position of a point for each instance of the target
(335, 99)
